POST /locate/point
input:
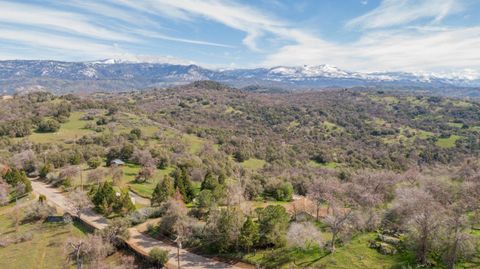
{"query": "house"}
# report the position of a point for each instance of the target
(117, 162)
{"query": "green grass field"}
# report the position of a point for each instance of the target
(355, 254)
(253, 164)
(448, 142)
(293, 124)
(45, 250)
(331, 165)
(149, 130)
(194, 143)
(330, 126)
(405, 138)
(286, 257)
(455, 125)
(72, 129)
(230, 109)
(142, 189)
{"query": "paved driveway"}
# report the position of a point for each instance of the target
(138, 241)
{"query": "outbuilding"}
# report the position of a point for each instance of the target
(117, 162)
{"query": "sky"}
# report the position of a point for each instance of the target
(356, 35)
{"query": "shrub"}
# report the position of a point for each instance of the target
(48, 126)
(24, 237)
(284, 192)
(142, 214)
(38, 211)
(94, 162)
(46, 168)
(158, 257)
(135, 134)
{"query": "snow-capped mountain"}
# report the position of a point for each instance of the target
(139, 73)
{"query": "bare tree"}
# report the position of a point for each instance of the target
(79, 201)
(116, 233)
(145, 174)
(235, 193)
(303, 235)
(338, 220)
(297, 207)
(457, 241)
(17, 216)
(421, 215)
(20, 189)
(95, 176)
(90, 250)
(69, 173)
(25, 160)
(4, 190)
(470, 170)
(175, 222)
(117, 174)
(143, 157)
(321, 191)
(412, 176)
(369, 191)
(126, 262)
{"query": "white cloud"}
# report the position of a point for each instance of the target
(399, 50)
(57, 20)
(85, 27)
(249, 20)
(428, 47)
(411, 47)
(153, 34)
(400, 12)
(46, 41)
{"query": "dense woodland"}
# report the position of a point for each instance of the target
(254, 176)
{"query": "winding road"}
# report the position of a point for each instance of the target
(138, 241)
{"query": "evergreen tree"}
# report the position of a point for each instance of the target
(223, 229)
(46, 168)
(212, 188)
(14, 177)
(104, 197)
(210, 182)
(123, 204)
(183, 184)
(163, 191)
(273, 223)
(249, 234)
(205, 199)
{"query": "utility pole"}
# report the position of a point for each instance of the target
(179, 246)
(81, 179)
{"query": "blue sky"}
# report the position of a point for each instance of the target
(358, 35)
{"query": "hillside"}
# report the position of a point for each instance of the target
(331, 169)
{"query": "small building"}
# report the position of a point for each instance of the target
(117, 162)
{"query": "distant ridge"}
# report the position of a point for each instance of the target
(118, 74)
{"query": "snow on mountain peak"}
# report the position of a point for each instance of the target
(137, 59)
(309, 71)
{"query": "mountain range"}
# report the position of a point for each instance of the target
(121, 75)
